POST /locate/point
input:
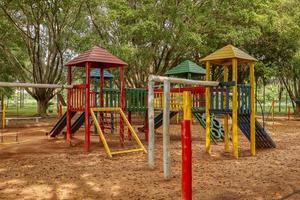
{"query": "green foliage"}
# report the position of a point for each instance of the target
(152, 36)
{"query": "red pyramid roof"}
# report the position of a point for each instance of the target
(99, 57)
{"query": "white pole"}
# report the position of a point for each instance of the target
(151, 137)
(166, 135)
(34, 85)
(183, 81)
(166, 116)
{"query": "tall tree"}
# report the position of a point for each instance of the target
(278, 46)
(150, 35)
(153, 36)
(43, 30)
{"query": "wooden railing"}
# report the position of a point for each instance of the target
(78, 97)
(135, 99)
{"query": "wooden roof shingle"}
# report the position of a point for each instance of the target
(98, 57)
(186, 67)
(228, 52)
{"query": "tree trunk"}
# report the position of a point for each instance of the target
(42, 106)
(280, 97)
(297, 110)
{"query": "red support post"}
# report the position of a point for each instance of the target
(122, 103)
(69, 80)
(129, 119)
(186, 179)
(87, 107)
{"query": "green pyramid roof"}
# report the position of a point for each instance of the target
(186, 67)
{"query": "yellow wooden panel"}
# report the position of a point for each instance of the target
(187, 109)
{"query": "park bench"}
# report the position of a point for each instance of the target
(37, 119)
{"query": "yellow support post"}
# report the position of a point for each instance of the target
(234, 110)
(187, 108)
(226, 128)
(132, 130)
(207, 108)
(252, 108)
(101, 135)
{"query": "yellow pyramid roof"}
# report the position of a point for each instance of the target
(228, 52)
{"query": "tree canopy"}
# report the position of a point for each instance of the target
(37, 37)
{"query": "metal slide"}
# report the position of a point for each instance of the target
(78, 123)
(60, 125)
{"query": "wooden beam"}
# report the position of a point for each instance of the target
(234, 110)
(226, 127)
(252, 110)
(183, 81)
(207, 109)
(34, 85)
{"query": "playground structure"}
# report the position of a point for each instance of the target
(242, 101)
(213, 100)
(80, 98)
(240, 106)
(210, 97)
(83, 97)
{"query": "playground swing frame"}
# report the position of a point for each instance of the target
(29, 85)
(185, 128)
(166, 117)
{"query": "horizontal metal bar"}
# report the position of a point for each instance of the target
(183, 81)
(34, 85)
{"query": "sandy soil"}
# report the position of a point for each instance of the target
(43, 168)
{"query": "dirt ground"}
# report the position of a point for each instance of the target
(43, 168)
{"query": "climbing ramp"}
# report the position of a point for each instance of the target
(216, 128)
(102, 136)
(262, 138)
